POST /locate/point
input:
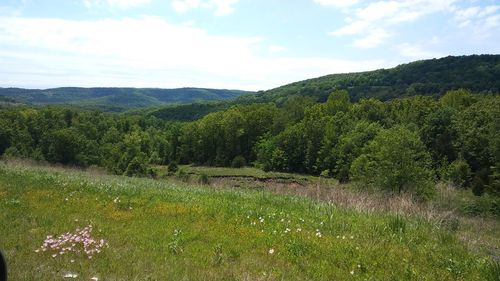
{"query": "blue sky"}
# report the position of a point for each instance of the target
(234, 44)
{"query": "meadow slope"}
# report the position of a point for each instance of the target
(166, 230)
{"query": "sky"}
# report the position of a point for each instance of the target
(230, 44)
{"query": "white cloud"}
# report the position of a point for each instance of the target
(372, 40)
(337, 3)
(355, 27)
(479, 17)
(220, 7)
(147, 52)
(124, 4)
(415, 51)
(373, 22)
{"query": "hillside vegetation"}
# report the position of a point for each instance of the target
(141, 229)
(116, 99)
(478, 73)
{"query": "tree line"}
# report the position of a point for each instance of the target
(398, 145)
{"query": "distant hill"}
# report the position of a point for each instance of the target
(478, 73)
(116, 99)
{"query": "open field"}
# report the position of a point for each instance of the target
(474, 220)
(170, 230)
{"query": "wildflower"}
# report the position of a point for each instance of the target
(70, 275)
(271, 251)
(73, 242)
(299, 229)
(352, 272)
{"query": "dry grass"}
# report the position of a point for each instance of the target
(480, 234)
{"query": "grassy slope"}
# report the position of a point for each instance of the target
(218, 238)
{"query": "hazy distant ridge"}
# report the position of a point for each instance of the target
(116, 98)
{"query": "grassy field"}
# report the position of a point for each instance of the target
(244, 172)
(169, 230)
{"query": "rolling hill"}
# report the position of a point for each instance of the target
(478, 73)
(116, 99)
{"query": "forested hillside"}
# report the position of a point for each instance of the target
(116, 99)
(479, 73)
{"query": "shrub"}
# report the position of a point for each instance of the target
(395, 160)
(152, 173)
(238, 162)
(172, 167)
(458, 173)
(11, 153)
(325, 174)
(137, 167)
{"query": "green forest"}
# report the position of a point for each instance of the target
(401, 145)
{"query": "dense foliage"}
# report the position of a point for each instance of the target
(399, 145)
(434, 77)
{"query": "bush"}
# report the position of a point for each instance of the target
(395, 160)
(325, 174)
(458, 173)
(238, 162)
(172, 167)
(11, 153)
(152, 173)
(137, 167)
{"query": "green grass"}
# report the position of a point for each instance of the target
(163, 230)
(247, 172)
(239, 172)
